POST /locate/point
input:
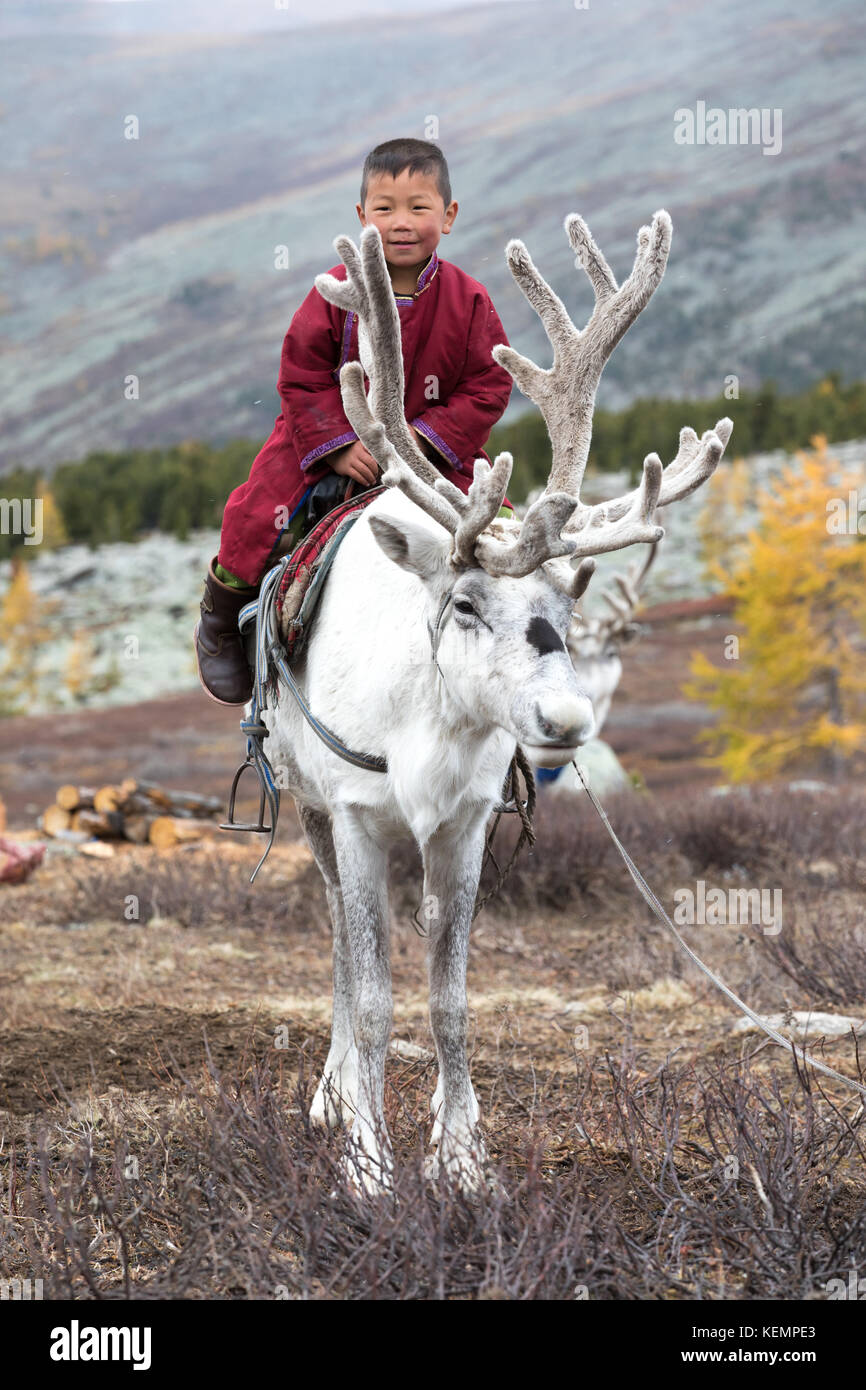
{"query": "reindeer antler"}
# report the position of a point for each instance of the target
(624, 596)
(558, 524)
(565, 392)
(617, 627)
(366, 291)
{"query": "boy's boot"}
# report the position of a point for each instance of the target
(222, 664)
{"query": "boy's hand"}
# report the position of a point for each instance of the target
(354, 461)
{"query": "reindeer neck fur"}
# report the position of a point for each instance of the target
(369, 674)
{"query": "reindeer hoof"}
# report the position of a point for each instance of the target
(331, 1107)
(463, 1164)
(365, 1175)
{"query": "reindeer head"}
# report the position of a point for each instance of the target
(500, 594)
(595, 644)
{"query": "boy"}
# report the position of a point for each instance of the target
(454, 394)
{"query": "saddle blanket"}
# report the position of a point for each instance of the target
(305, 572)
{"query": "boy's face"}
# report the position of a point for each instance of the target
(410, 215)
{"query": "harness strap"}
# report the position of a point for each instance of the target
(270, 666)
(271, 658)
(435, 632)
(372, 762)
(650, 898)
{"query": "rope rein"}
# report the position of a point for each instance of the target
(653, 902)
(525, 810)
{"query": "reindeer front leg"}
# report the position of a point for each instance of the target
(334, 1101)
(452, 868)
(362, 866)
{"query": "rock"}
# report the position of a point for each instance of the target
(803, 1024)
(411, 1052)
(822, 871)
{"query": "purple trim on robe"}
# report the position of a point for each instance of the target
(427, 273)
(327, 448)
(347, 339)
(422, 282)
(438, 443)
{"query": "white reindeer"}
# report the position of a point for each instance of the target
(595, 644)
(439, 644)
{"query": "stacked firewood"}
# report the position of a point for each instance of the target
(133, 810)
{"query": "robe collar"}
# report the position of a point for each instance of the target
(423, 280)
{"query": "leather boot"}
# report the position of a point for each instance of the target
(222, 664)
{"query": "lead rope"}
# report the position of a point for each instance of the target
(525, 810)
(650, 898)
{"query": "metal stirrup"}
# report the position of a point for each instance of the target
(255, 730)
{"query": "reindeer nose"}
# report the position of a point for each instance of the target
(566, 719)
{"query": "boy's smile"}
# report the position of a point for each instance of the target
(411, 217)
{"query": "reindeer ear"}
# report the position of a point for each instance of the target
(410, 546)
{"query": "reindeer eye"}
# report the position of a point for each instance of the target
(462, 605)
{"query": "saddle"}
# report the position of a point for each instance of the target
(303, 576)
(273, 629)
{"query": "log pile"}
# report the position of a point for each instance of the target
(142, 812)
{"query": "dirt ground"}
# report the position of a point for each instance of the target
(89, 997)
(90, 1004)
(120, 978)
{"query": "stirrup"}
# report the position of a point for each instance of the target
(255, 829)
(256, 759)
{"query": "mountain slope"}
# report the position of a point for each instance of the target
(155, 257)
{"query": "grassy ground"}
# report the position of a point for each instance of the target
(164, 1024)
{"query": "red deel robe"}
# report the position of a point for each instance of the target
(448, 328)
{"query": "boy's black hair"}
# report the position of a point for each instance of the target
(418, 156)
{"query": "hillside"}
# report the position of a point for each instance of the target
(155, 256)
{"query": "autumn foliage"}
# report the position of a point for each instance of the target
(792, 693)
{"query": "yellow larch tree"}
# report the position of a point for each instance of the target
(23, 633)
(721, 529)
(794, 697)
(80, 678)
(53, 528)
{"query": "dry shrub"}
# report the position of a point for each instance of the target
(620, 1181)
(826, 955)
(193, 890)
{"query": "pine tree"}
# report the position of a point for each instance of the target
(794, 698)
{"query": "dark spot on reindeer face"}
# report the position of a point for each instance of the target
(544, 637)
